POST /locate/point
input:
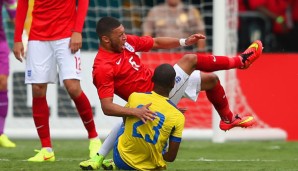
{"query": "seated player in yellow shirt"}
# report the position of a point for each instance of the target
(140, 145)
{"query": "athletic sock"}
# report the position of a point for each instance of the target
(49, 149)
(84, 108)
(41, 115)
(210, 63)
(109, 142)
(220, 102)
(3, 109)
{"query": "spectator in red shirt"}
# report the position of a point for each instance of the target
(251, 27)
(275, 10)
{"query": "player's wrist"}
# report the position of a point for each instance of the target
(182, 42)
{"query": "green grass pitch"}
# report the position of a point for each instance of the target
(193, 155)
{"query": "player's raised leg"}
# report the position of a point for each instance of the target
(210, 63)
(216, 95)
(252, 53)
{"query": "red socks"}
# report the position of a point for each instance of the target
(210, 63)
(41, 115)
(220, 102)
(84, 108)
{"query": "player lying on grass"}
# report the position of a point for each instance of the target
(118, 70)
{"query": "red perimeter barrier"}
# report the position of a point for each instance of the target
(270, 86)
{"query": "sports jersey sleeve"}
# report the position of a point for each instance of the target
(142, 44)
(22, 9)
(176, 135)
(81, 15)
(104, 82)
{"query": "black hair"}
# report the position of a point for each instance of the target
(164, 76)
(105, 25)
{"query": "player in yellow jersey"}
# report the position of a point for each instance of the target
(140, 145)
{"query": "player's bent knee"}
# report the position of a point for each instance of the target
(208, 80)
(189, 58)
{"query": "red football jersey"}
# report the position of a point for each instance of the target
(123, 73)
(51, 19)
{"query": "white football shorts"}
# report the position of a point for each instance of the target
(188, 86)
(45, 59)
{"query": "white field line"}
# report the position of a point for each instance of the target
(57, 160)
(178, 160)
(229, 160)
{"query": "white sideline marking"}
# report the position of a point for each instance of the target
(59, 160)
(223, 160)
(178, 160)
(4, 160)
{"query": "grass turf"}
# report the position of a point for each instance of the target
(193, 155)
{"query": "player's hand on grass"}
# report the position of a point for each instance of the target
(144, 113)
(75, 42)
(18, 50)
(193, 39)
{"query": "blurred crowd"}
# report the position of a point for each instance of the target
(275, 22)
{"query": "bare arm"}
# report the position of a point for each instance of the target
(111, 109)
(171, 154)
(169, 42)
(76, 37)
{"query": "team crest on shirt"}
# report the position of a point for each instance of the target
(129, 47)
(177, 79)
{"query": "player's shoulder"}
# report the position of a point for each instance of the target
(139, 94)
(172, 107)
(135, 39)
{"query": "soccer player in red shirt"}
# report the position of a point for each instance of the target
(55, 39)
(118, 70)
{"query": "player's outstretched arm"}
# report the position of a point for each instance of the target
(111, 109)
(170, 42)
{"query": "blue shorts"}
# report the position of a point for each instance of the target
(116, 156)
(4, 59)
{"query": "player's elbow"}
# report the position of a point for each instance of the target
(169, 158)
(107, 111)
(172, 159)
